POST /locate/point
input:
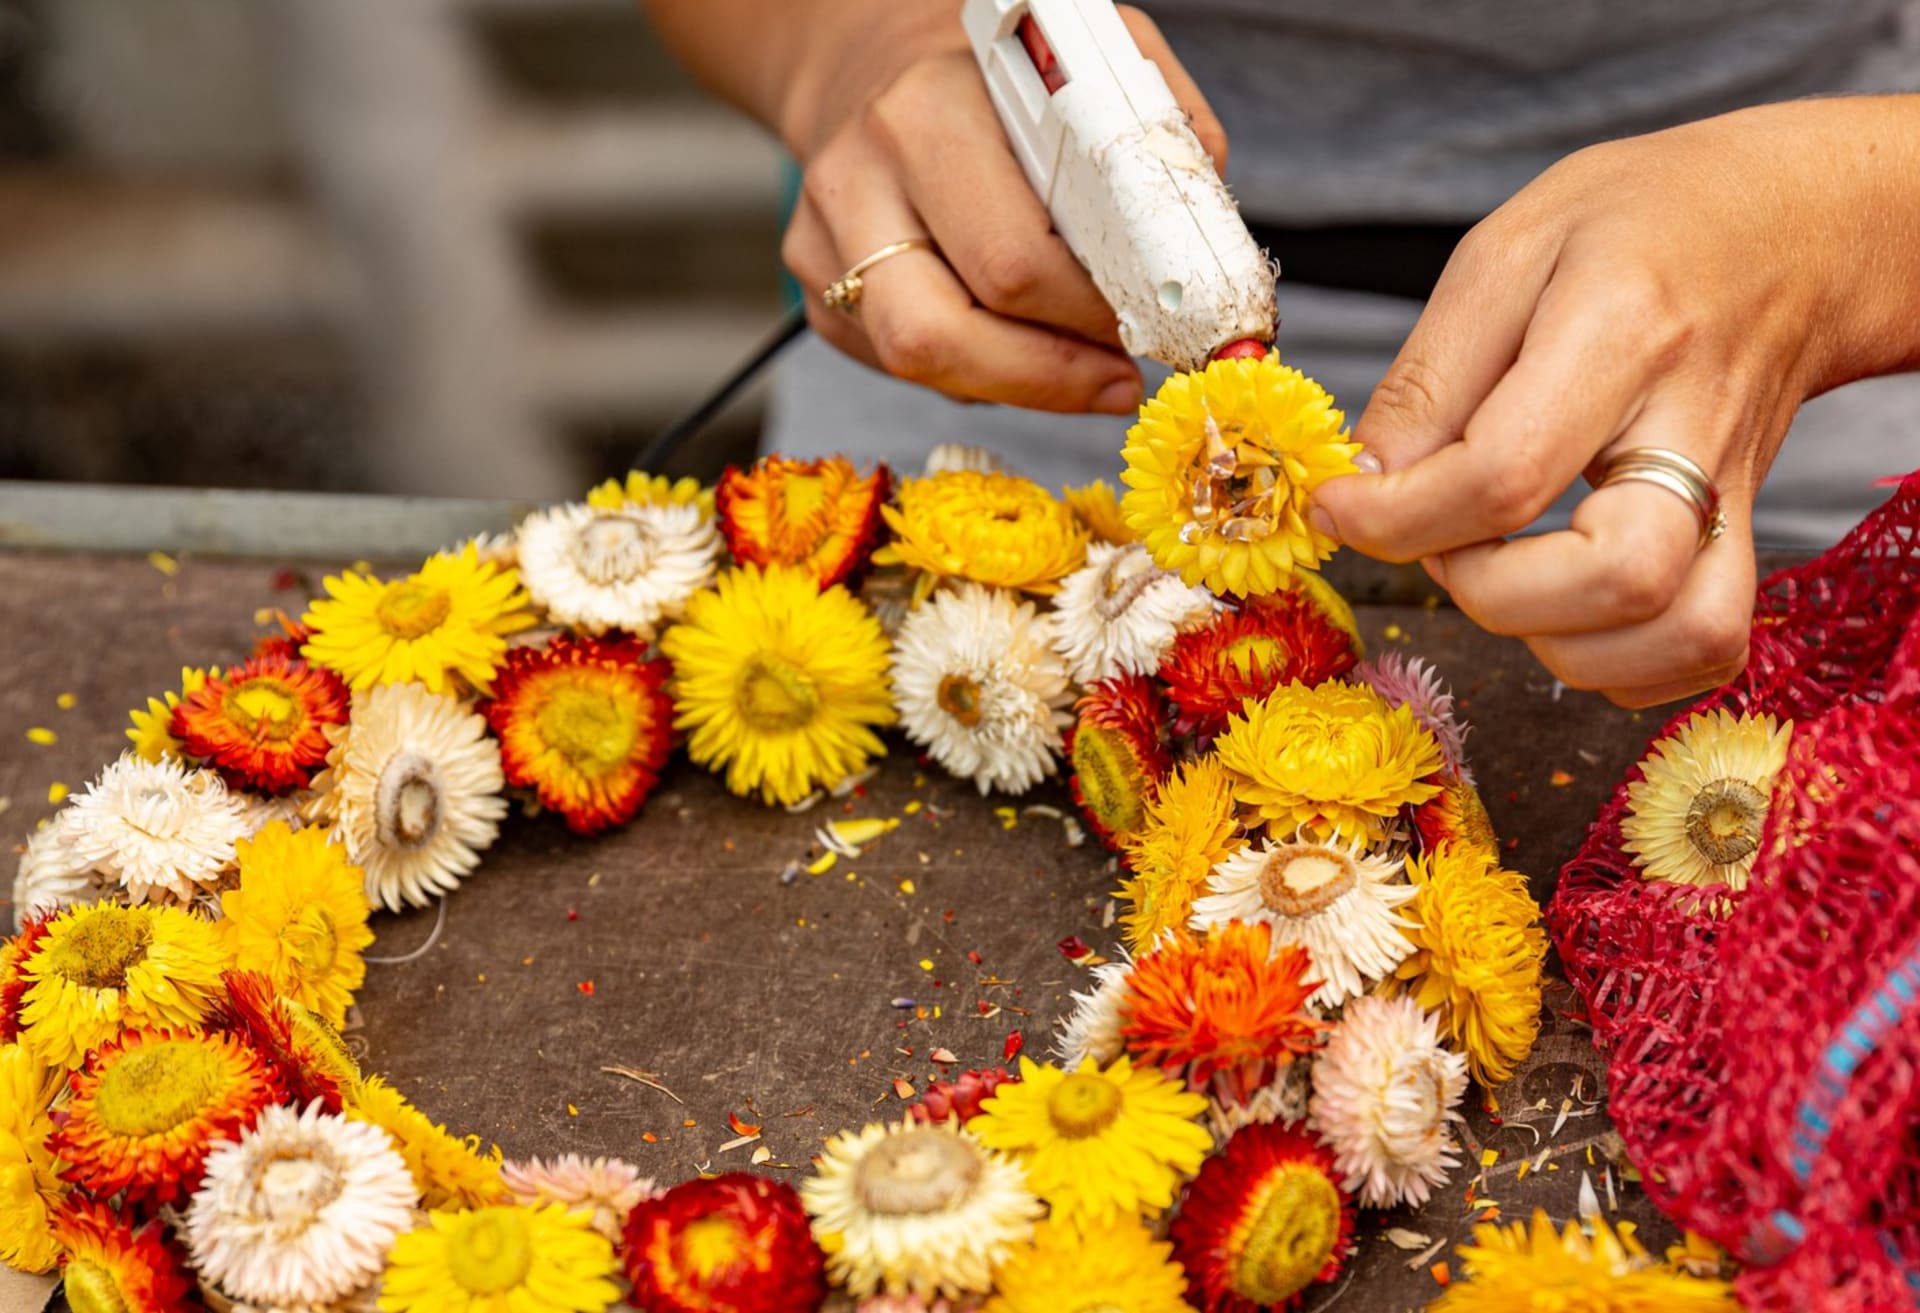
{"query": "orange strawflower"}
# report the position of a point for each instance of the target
(1456, 815)
(1269, 642)
(109, 1261)
(1119, 755)
(585, 722)
(727, 1244)
(262, 724)
(307, 1055)
(820, 515)
(1229, 1006)
(148, 1107)
(14, 953)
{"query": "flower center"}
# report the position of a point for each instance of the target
(1725, 820)
(295, 1186)
(101, 948)
(802, 497)
(1083, 1105)
(774, 695)
(91, 1288)
(264, 709)
(156, 1087)
(612, 548)
(1292, 1236)
(312, 939)
(1109, 779)
(412, 608)
(1304, 881)
(924, 1170)
(1243, 652)
(489, 1251)
(1236, 490)
(959, 697)
(407, 802)
(585, 726)
(710, 1246)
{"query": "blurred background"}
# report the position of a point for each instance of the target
(472, 247)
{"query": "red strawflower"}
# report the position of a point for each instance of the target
(961, 1096)
(149, 1106)
(110, 1262)
(1268, 642)
(1119, 754)
(1263, 1220)
(585, 722)
(287, 643)
(306, 1054)
(733, 1244)
(1227, 1004)
(1455, 815)
(14, 953)
(263, 724)
(821, 515)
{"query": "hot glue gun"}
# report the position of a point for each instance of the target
(1130, 189)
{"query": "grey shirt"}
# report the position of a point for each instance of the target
(1439, 110)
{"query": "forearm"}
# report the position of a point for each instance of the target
(777, 59)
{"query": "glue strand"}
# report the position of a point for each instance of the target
(439, 924)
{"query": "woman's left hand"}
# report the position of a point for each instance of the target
(1684, 290)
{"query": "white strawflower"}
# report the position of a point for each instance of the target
(257, 813)
(1119, 613)
(916, 1209)
(628, 567)
(609, 1186)
(1092, 1029)
(979, 686)
(1338, 902)
(1283, 1100)
(413, 789)
(1384, 1093)
(947, 456)
(301, 1209)
(492, 547)
(51, 875)
(157, 828)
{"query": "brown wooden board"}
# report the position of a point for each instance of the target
(776, 1002)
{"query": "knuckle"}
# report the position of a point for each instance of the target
(911, 348)
(1513, 490)
(1641, 586)
(1650, 312)
(1716, 637)
(1409, 395)
(1006, 277)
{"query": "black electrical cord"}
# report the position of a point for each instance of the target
(670, 439)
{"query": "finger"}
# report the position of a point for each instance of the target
(961, 176)
(925, 327)
(808, 252)
(1206, 124)
(1576, 385)
(1699, 642)
(1622, 560)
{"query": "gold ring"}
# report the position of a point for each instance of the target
(1678, 475)
(843, 294)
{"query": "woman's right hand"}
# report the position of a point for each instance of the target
(898, 139)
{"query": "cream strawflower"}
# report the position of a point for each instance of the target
(1119, 613)
(51, 875)
(608, 1186)
(1696, 815)
(157, 828)
(915, 1209)
(413, 789)
(301, 1209)
(979, 686)
(257, 813)
(628, 567)
(1283, 1100)
(1384, 1093)
(1335, 900)
(1092, 1029)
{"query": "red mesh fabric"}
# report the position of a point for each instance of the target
(1721, 1029)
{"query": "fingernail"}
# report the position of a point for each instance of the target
(1118, 398)
(1368, 463)
(1323, 522)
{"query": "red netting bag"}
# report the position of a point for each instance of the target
(1764, 1047)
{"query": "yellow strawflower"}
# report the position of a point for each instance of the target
(1529, 1266)
(444, 625)
(1334, 761)
(299, 916)
(152, 730)
(1097, 507)
(1696, 814)
(1191, 827)
(503, 1259)
(780, 683)
(1063, 1269)
(451, 1172)
(996, 529)
(639, 489)
(30, 1184)
(1478, 955)
(1221, 466)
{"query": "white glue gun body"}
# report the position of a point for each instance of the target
(1129, 186)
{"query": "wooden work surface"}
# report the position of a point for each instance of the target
(743, 994)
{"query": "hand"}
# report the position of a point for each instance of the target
(1687, 290)
(899, 139)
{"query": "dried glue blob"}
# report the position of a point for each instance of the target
(916, 1209)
